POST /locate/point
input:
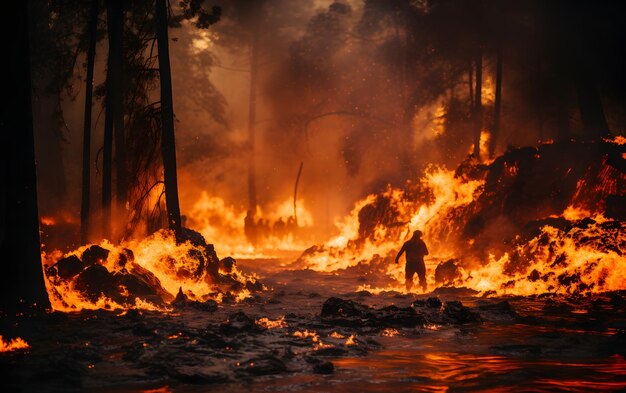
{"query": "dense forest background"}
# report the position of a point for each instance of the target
(365, 93)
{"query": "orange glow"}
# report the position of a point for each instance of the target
(485, 136)
(223, 224)
(344, 250)
(48, 221)
(555, 260)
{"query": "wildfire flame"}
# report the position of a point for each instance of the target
(571, 247)
(170, 264)
(272, 324)
(582, 251)
(349, 249)
(14, 344)
(223, 223)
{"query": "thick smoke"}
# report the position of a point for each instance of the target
(365, 93)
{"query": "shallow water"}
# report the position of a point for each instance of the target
(555, 343)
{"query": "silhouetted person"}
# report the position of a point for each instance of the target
(279, 228)
(250, 227)
(415, 250)
(263, 228)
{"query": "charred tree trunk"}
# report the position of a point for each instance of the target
(86, 186)
(254, 65)
(295, 193)
(117, 31)
(495, 130)
(21, 282)
(478, 105)
(113, 84)
(168, 143)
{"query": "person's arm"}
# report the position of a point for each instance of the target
(400, 252)
(425, 249)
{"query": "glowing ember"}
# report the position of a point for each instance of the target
(48, 221)
(306, 334)
(389, 332)
(14, 344)
(272, 324)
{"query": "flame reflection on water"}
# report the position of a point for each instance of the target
(439, 371)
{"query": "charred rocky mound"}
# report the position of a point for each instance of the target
(114, 274)
(122, 281)
(340, 312)
(527, 185)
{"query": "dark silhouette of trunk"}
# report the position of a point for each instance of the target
(295, 193)
(86, 186)
(168, 143)
(590, 106)
(478, 105)
(470, 77)
(121, 178)
(113, 114)
(254, 65)
(21, 282)
(495, 130)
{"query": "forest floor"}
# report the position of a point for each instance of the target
(294, 337)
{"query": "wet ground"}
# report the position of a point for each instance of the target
(279, 341)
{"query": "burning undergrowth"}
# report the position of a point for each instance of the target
(271, 232)
(544, 219)
(144, 274)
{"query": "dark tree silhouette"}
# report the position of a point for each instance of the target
(86, 186)
(21, 282)
(114, 120)
(254, 69)
(497, 106)
(478, 104)
(168, 143)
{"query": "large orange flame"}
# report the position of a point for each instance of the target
(160, 255)
(586, 255)
(13, 344)
(223, 223)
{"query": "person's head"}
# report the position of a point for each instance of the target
(417, 234)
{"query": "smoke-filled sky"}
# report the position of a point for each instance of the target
(364, 93)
